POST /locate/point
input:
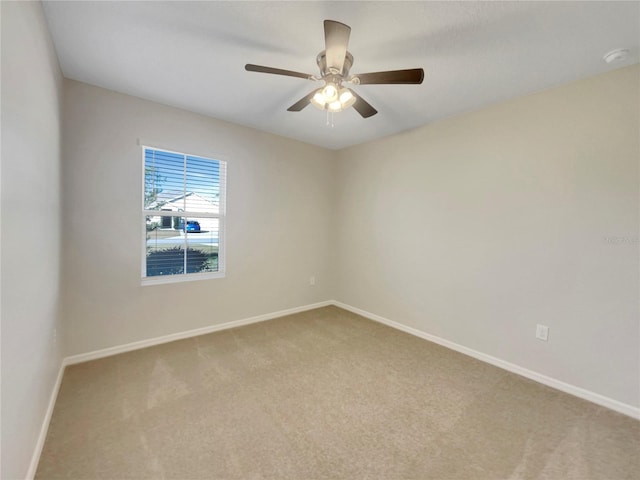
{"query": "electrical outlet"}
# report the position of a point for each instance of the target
(312, 281)
(542, 332)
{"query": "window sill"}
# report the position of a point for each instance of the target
(159, 280)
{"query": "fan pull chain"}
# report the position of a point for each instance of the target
(329, 122)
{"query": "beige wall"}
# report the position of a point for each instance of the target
(279, 207)
(30, 223)
(478, 227)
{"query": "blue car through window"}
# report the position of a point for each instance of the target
(192, 226)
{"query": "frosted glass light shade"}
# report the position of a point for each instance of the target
(335, 106)
(346, 98)
(318, 100)
(330, 93)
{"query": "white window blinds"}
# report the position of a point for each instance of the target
(183, 215)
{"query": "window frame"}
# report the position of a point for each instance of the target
(221, 216)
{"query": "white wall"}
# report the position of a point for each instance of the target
(30, 222)
(279, 207)
(478, 227)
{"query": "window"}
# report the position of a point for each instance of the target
(183, 216)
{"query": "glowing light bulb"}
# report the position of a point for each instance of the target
(330, 93)
(346, 98)
(335, 106)
(318, 100)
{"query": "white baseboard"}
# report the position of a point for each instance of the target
(35, 458)
(107, 352)
(588, 395)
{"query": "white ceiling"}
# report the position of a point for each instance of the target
(192, 55)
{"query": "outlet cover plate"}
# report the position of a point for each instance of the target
(542, 332)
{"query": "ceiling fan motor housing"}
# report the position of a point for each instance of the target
(321, 60)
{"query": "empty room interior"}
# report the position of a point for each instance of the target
(320, 240)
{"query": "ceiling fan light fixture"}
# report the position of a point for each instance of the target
(330, 92)
(318, 100)
(346, 98)
(335, 106)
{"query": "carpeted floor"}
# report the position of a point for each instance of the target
(324, 394)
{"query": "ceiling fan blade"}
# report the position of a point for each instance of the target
(336, 41)
(276, 71)
(303, 102)
(362, 107)
(412, 76)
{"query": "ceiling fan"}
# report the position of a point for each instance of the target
(335, 62)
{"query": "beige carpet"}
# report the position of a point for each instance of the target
(324, 394)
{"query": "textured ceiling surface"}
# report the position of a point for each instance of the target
(192, 55)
